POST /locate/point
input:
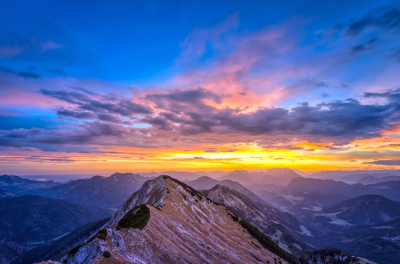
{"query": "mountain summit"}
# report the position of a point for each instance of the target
(166, 221)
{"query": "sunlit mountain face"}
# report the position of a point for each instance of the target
(199, 85)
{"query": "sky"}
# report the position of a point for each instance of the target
(128, 86)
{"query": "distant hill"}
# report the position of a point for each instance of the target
(278, 176)
(373, 180)
(318, 185)
(362, 210)
(107, 192)
(12, 183)
(205, 183)
(240, 176)
(28, 220)
(390, 189)
(271, 176)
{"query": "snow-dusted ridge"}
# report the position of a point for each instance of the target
(152, 192)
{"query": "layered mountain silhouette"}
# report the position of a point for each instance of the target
(271, 176)
(390, 189)
(17, 184)
(373, 180)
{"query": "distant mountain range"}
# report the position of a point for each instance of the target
(272, 176)
(28, 220)
(373, 180)
(390, 189)
(17, 184)
(107, 192)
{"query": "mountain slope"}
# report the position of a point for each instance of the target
(5, 194)
(379, 242)
(29, 220)
(167, 221)
(108, 192)
(17, 184)
(284, 228)
(205, 183)
(56, 248)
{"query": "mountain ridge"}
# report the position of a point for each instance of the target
(167, 200)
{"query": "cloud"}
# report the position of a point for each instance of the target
(384, 162)
(385, 18)
(90, 105)
(363, 47)
(11, 51)
(24, 74)
(346, 119)
(49, 45)
(75, 114)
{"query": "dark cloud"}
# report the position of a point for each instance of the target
(75, 114)
(191, 113)
(177, 101)
(89, 105)
(24, 74)
(385, 18)
(110, 118)
(396, 55)
(384, 162)
(347, 119)
(363, 47)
